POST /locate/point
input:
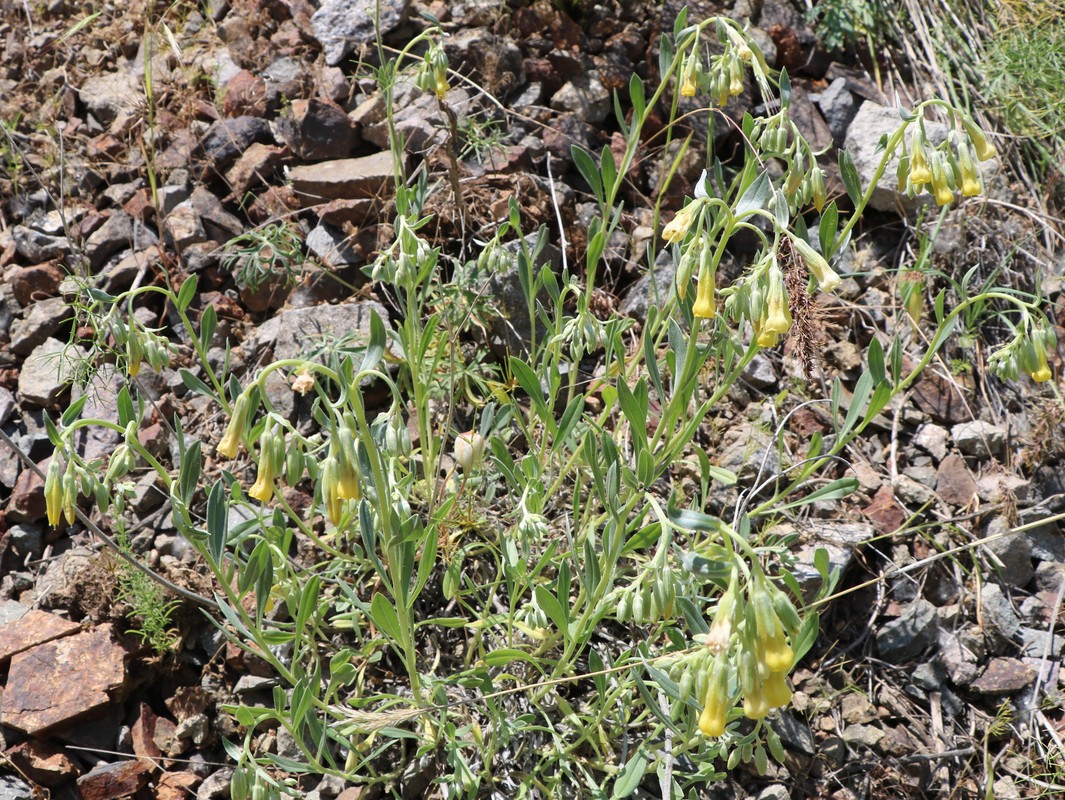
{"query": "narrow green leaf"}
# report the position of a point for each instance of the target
(607, 166)
(194, 384)
(186, 292)
(555, 612)
(208, 325)
(385, 617)
(585, 165)
(73, 411)
(217, 521)
(827, 229)
(861, 393)
(375, 348)
(849, 173)
(506, 655)
(876, 361)
(832, 491)
(631, 774)
(785, 90)
(636, 96)
(757, 195)
(127, 412)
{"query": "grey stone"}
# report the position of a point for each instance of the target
(838, 107)
(14, 788)
(349, 178)
(775, 792)
(46, 372)
(962, 665)
(999, 618)
(1046, 540)
(112, 97)
(760, 373)
(97, 441)
(36, 247)
(196, 728)
(341, 26)
(865, 735)
(510, 328)
(215, 786)
(42, 320)
(286, 744)
(317, 130)
(585, 96)
(907, 636)
(654, 288)
(839, 538)
(247, 684)
(421, 123)
(118, 233)
(27, 540)
(1012, 553)
(749, 451)
(303, 331)
(979, 439)
(912, 492)
(10, 466)
(7, 404)
(184, 227)
(227, 138)
(1049, 576)
(995, 489)
(170, 197)
(219, 224)
(332, 246)
(286, 76)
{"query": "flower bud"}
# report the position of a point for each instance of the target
(329, 481)
(735, 86)
(686, 266)
(70, 493)
(347, 464)
(817, 189)
(53, 491)
(687, 84)
(678, 227)
(134, 353)
(469, 451)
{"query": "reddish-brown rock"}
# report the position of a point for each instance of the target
(42, 763)
(35, 283)
(1003, 676)
(63, 681)
(112, 781)
(22, 627)
(954, 483)
(884, 512)
(176, 786)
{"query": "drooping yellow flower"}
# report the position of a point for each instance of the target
(984, 149)
(329, 482)
(920, 173)
(778, 314)
(230, 443)
(678, 227)
(53, 492)
(970, 177)
(755, 704)
(826, 277)
(704, 306)
(716, 704)
(941, 184)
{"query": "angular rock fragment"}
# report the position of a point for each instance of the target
(111, 781)
(346, 179)
(64, 681)
(341, 26)
(22, 628)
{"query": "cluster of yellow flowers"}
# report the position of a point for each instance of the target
(1027, 353)
(945, 168)
(724, 76)
(747, 654)
(432, 73)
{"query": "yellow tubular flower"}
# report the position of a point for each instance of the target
(70, 493)
(755, 704)
(263, 488)
(53, 492)
(678, 227)
(777, 692)
(970, 178)
(778, 315)
(721, 628)
(687, 86)
(920, 174)
(1042, 371)
(940, 185)
(984, 149)
(230, 443)
(826, 277)
(716, 703)
(704, 306)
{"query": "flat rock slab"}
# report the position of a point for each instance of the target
(343, 179)
(22, 628)
(1004, 676)
(42, 763)
(121, 779)
(63, 681)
